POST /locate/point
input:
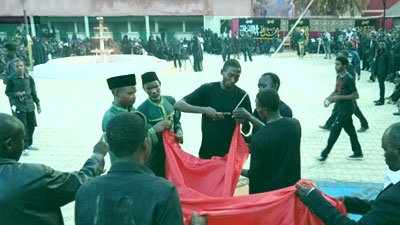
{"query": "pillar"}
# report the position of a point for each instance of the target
(156, 26)
(147, 21)
(129, 26)
(76, 27)
(87, 32)
(33, 30)
(183, 26)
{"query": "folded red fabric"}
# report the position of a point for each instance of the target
(207, 187)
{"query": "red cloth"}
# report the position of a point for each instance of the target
(207, 187)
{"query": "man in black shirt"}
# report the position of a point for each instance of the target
(216, 101)
(345, 94)
(130, 193)
(275, 149)
(266, 81)
(21, 91)
(357, 112)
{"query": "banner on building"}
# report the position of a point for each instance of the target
(303, 24)
(366, 25)
(262, 29)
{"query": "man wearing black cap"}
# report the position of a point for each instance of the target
(159, 110)
(11, 52)
(124, 89)
(33, 193)
(216, 101)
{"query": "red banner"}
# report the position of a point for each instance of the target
(207, 186)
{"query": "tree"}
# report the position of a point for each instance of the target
(332, 7)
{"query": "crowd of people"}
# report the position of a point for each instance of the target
(135, 191)
(34, 193)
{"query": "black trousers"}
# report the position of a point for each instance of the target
(198, 65)
(226, 54)
(177, 56)
(343, 121)
(357, 112)
(372, 67)
(247, 50)
(381, 81)
(29, 121)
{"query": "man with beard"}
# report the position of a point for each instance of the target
(159, 109)
(216, 101)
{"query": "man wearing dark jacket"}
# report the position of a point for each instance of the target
(176, 51)
(384, 210)
(246, 47)
(383, 65)
(130, 193)
(33, 193)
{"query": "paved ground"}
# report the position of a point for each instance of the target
(73, 109)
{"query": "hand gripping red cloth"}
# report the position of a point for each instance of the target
(207, 187)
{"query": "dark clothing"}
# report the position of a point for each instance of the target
(357, 113)
(29, 121)
(115, 110)
(217, 135)
(176, 52)
(284, 110)
(345, 86)
(343, 121)
(226, 49)
(128, 195)
(10, 69)
(246, 47)
(345, 109)
(197, 56)
(17, 84)
(355, 61)
(383, 66)
(155, 113)
(275, 156)
(385, 210)
(33, 193)
(236, 45)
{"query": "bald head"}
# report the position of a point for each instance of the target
(391, 146)
(8, 126)
(12, 133)
(392, 134)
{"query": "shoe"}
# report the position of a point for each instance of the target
(396, 114)
(33, 148)
(376, 101)
(362, 129)
(325, 58)
(324, 127)
(379, 103)
(355, 157)
(322, 158)
(25, 152)
(371, 81)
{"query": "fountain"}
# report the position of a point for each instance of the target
(102, 64)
